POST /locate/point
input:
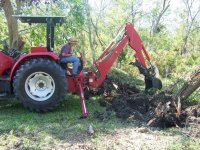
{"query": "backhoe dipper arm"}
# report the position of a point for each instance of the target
(111, 53)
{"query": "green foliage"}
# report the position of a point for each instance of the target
(35, 35)
(161, 41)
(125, 77)
(172, 64)
(122, 57)
(3, 29)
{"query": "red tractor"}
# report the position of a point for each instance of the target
(39, 80)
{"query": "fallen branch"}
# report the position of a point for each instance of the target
(192, 84)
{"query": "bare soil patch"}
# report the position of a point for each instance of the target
(158, 110)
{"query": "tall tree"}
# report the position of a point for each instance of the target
(89, 26)
(12, 23)
(191, 16)
(160, 11)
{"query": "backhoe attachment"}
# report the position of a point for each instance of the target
(105, 61)
(141, 57)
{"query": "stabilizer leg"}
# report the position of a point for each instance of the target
(82, 99)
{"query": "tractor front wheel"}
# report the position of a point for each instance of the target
(40, 84)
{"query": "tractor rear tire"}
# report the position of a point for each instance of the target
(40, 84)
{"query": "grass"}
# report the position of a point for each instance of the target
(126, 78)
(185, 143)
(46, 128)
(21, 129)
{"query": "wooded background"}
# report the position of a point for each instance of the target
(169, 29)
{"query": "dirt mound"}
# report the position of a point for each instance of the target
(127, 101)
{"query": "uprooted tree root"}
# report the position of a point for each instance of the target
(159, 110)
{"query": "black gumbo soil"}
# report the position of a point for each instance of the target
(126, 101)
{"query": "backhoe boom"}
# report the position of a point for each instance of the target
(111, 53)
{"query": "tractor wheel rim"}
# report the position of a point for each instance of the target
(39, 86)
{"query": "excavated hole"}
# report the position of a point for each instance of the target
(129, 102)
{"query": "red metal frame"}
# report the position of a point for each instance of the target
(110, 54)
(25, 57)
(6, 62)
(82, 98)
(39, 49)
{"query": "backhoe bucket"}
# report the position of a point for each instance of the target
(152, 82)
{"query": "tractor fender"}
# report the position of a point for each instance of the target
(25, 57)
(5, 63)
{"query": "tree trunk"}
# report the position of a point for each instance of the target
(83, 47)
(156, 21)
(89, 29)
(190, 86)
(190, 21)
(12, 24)
(19, 5)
